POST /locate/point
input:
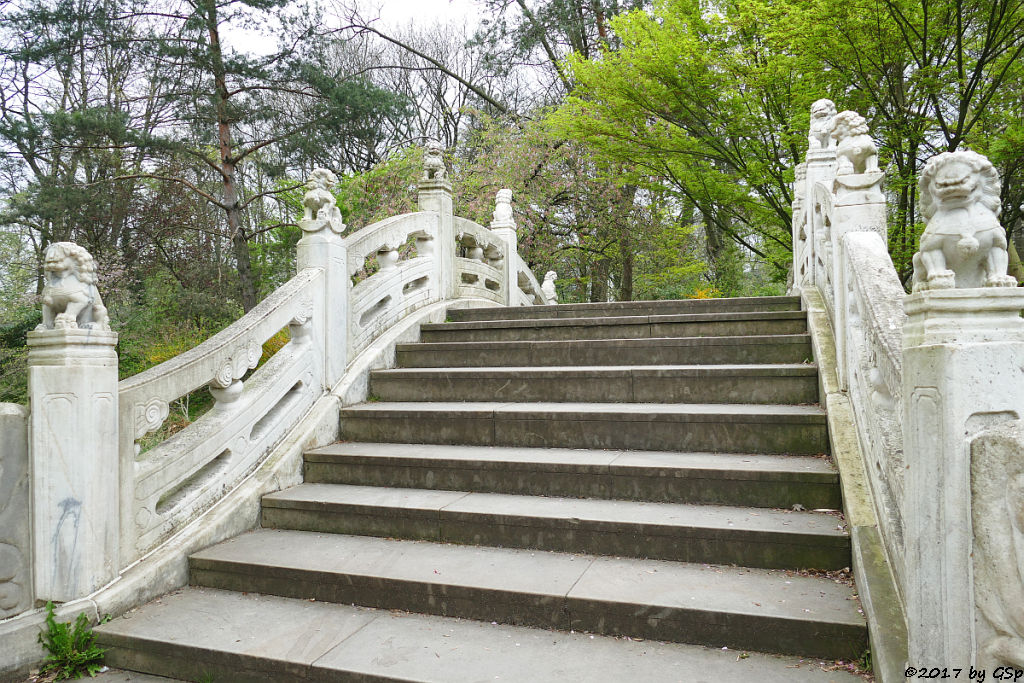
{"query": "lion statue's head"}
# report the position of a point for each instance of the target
(848, 124)
(954, 179)
(321, 179)
(62, 257)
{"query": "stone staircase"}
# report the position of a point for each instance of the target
(580, 492)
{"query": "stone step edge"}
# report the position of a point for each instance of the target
(612, 469)
(441, 593)
(656, 412)
(577, 652)
(769, 370)
(657, 319)
(657, 303)
(718, 340)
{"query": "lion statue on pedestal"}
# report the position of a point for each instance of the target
(855, 150)
(822, 112)
(963, 244)
(433, 162)
(548, 287)
(70, 297)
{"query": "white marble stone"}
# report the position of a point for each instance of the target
(74, 455)
(548, 287)
(322, 246)
(70, 297)
(963, 365)
(820, 135)
(15, 543)
(504, 226)
(856, 152)
(997, 499)
(963, 244)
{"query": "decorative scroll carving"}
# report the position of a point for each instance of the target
(150, 416)
(320, 208)
(963, 244)
(820, 136)
(244, 358)
(70, 297)
(303, 313)
(433, 162)
(548, 288)
(997, 515)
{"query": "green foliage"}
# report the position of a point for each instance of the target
(72, 648)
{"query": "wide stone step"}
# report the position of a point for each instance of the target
(751, 537)
(798, 430)
(780, 481)
(607, 309)
(765, 610)
(793, 383)
(252, 637)
(620, 327)
(788, 348)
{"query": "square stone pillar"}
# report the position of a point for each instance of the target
(322, 247)
(504, 226)
(72, 381)
(963, 372)
(435, 194)
(821, 168)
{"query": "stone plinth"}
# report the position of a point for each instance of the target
(74, 459)
(963, 365)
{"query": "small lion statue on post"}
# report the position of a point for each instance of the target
(963, 244)
(547, 288)
(820, 133)
(855, 150)
(70, 297)
(433, 162)
(318, 203)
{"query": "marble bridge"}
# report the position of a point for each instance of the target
(446, 476)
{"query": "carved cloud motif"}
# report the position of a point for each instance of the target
(997, 514)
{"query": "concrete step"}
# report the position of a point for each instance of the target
(728, 428)
(765, 610)
(750, 537)
(250, 637)
(778, 481)
(792, 383)
(783, 348)
(613, 308)
(620, 327)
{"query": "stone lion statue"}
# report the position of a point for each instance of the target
(547, 288)
(70, 297)
(855, 150)
(963, 244)
(820, 136)
(318, 202)
(433, 162)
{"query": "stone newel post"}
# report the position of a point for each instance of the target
(435, 194)
(73, 426)
(820, 167)
(504, 226)
(322, 247)
(963, 365)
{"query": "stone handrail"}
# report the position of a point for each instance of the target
(186, 473)
(530, 293)
(102, 503)
(935, 385)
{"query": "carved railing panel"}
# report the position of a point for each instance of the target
(529, 290)
(187, 472)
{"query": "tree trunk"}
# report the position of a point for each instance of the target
(239, 242)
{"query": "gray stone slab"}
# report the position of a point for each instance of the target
(628, 307)
(395, 646)
(122, 676)
(763, 609)
(256, 635)
(788, 348)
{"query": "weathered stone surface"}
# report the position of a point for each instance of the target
(15, 523)
(407, 647)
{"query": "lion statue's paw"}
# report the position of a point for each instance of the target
(1001, 281)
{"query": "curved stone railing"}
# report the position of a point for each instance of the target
(102, 503)
(925, 380)
(185, 474)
